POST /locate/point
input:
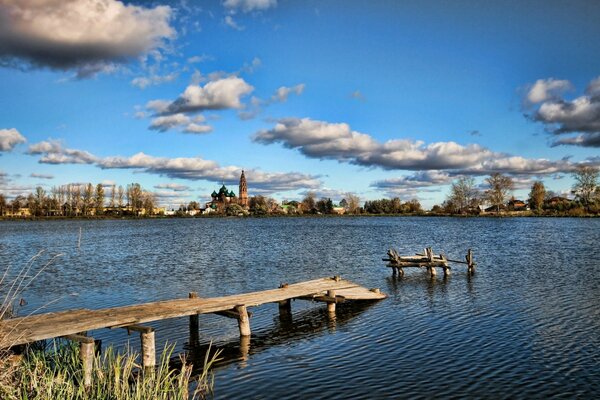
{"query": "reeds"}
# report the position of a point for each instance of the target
(56, 373)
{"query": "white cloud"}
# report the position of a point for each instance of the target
(41, 176)
(319, 139)
(281, 95)
(172, 186)
(547, 89)
(86, 35)
(143, 82)
(337, 141)
(189, 168)
(580, 115)
(249, 5)
(53, 152)
(186, 123)
(220, 94)
(230, 22)
(9, 138)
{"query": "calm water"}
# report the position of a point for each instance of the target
(526, 325)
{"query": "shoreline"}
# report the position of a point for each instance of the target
(424, 215)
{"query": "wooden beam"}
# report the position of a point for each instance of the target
(79, 338)
(232, 313)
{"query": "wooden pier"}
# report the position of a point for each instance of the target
(74, 324)
(427, 260)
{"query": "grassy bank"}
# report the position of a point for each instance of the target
(54, 372)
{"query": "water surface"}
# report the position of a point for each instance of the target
(527, 324)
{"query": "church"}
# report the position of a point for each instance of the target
(224, 197)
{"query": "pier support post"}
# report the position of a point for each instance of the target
(432, 271)
(285, 308)
(148, 349)
(400, 272)
(446, 271)
(331, 306)
(194, 325)
(86, 353)
(243, 320)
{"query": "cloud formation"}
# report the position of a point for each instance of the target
(324, 140)
(172, 186)
(563, 118)
(88, 36)
(281, 95)
(189, 168)
(53, 152)
(41, 176)
(230, 22)
(185, 123)
(220, 94)
(249, 5)
(9, 138)
(337, 141)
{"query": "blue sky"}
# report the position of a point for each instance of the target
(382, 99)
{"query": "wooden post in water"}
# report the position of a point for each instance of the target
(86, 354)
(148, 344)
(470, 262)
(331, 305)
(432, 271)
(243, 320)
(285, 307)
(148, 349)
(194, 325)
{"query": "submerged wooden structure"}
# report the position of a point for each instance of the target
(74, 324)
(427, 260)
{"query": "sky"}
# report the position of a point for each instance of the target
(380, 98)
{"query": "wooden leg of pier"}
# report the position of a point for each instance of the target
(148, 344)
(148, 349)
(446, 271)
(243, 320)
(285, 308)
(432, 271)
(194, 325)
(86, 354)
(331, 306)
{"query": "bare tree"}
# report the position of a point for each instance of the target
(463, 194)
(499, 191)
(120, 195)
(586, 182)
(537, 195)
(112, 196)
(353, 203)
(88, 199)
(309, 202)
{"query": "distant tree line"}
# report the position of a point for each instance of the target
(466, 198)
(82, 200)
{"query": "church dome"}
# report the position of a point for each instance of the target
(223, 190)
(231, 194)
(214, 194)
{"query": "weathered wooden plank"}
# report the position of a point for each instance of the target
(50, 325)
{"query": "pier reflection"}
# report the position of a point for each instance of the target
(287, 327)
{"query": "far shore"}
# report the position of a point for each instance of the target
(364, 215)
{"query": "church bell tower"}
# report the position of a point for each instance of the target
(243, 193)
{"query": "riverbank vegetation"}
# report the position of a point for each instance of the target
(52, 370)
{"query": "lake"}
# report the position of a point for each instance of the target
(527, 324)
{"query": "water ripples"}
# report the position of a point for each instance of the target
(527, 325)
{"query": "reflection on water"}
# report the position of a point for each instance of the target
(527, 324)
